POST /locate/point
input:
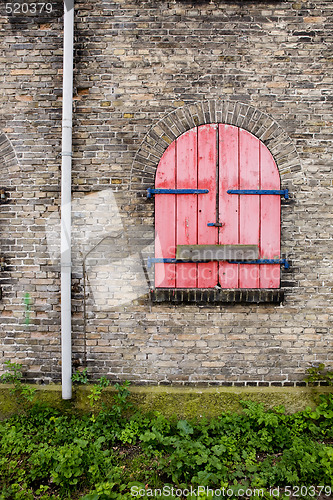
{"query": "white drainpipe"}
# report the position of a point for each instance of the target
(66, 194)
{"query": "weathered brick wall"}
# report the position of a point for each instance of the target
(145, 71)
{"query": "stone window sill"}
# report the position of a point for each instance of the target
(206, 296)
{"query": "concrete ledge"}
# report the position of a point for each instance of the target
(182, 402)
(208, 296)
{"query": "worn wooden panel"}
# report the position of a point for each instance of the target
(207, 164)
(249, 206)
(270, 220)
(243, 163)
(186, 204)
(228, 205)
(217, 252)
(165, 210)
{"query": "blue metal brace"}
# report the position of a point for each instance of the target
(215, 224)
(262, 261)
(151, 191)
(283, 192)
(158, 260)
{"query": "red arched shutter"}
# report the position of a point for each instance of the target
(217, 158)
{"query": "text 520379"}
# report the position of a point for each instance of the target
(28, 8)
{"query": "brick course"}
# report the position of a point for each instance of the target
(145, 72)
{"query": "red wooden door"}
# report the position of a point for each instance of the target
(218, 158)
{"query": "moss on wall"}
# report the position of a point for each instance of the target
(210, 402)
(181, 402)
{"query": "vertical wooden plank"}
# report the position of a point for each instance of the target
(165, 219)
(270, 220)
(228, 204)
(207, 161)
(249, 206)
(186, 211)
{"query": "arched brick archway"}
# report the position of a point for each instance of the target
(9, 180)
(242, 115)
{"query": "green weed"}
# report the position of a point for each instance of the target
(319, 374)
(45, 454)
(23, 393)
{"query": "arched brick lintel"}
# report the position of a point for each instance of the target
(178, 121)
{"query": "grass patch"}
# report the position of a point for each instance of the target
(46, 454)
(121, 453)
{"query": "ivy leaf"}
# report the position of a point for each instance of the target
(202, 459)
(185, 428)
